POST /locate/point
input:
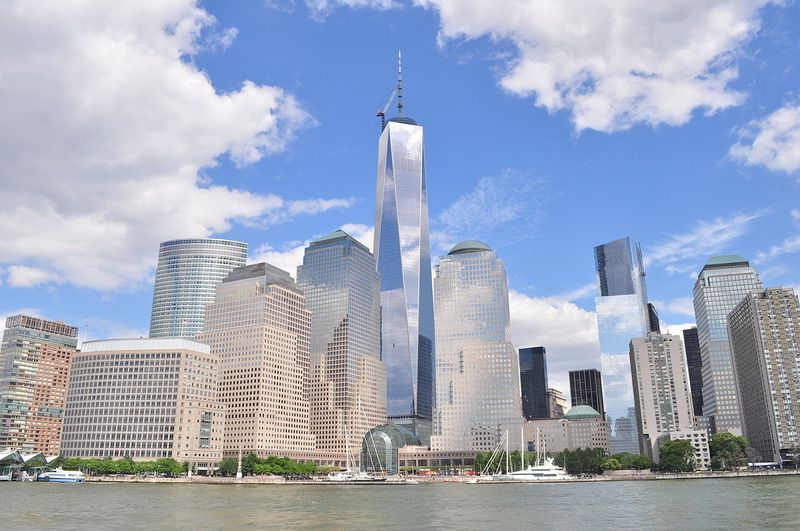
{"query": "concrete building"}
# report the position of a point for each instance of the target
(661, 388)
(145, 399)
(187, 274)
(477, 368)
(556, 403)
(720, 286)
(694, 364)
(348, 378)
(260, 328)
(586, 389)
(581, 427)
(699, 440)
(533, 380)
(35, 358)
(764, 329)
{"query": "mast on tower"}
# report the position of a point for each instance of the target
(399, 83)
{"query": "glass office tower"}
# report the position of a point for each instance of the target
(694, 364)
(586, 389)
(402, 252)
(187, 276)
(721, 285)
(533, 379)
(622, 315)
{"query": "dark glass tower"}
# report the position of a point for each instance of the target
(652, 317)
(533, 377)
(691, 343)
(586, 389)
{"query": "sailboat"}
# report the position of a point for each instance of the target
(348, 475)
(542, 470)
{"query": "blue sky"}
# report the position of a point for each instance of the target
(550, 127)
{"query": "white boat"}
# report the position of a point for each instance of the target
(349, 476)
(545, 471)
(62, 476)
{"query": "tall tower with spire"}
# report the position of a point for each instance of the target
(403, 256)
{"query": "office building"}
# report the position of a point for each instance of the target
(699, 439)
(694, 364)
(260, 328)
(403, 255)
(622, 315)
(348, 378)
(533, 379)
(764, 330)
(661, 389)
(586, 389)
(556, 403)
(477, 368)
(720, 286)
(187, 274)
(653, 321)
(35, 357)
(581, 427)
(145, 399)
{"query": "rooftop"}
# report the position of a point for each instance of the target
(581, 412)
(726, 260)
(469, 246)
(336, 236)
(403, 120)
(144, 343)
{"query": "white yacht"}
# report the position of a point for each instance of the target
(62, 476)
(545, 471)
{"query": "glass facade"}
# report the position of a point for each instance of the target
(533, 379)
(691, 344)
(477, 368)
(586, 389)
(380, 445)
(622, 315)
(721, 285)
(187, 275)
(402, 252)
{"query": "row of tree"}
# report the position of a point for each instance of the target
(252, 465)
(166, 466)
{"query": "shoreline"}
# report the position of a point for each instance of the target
(421, 480)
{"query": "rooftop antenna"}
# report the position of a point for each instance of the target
(399, 83)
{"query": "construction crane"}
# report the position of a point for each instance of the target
(397, 91)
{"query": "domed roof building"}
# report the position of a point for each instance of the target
(380, 445)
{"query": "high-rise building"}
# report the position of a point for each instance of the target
(260, 328)
(348, 378)
(621, 316)
(586, 389)
(661, 389)
(35, 357)
(556, 403)
(653, 321)
(533, 379)
(764, 330)
(720, 286)
(477, 369)
(403, 255)
(188, 272)
(695, 366)
(145, 399)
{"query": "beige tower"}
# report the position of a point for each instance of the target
(260, 328)
(661, 389)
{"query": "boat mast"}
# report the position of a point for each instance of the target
(508, 467)
(522, 448)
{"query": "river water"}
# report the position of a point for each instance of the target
(754, 503)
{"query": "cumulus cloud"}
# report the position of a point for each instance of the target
(772, 142)
(676, 329)
(107, 125)
(613, 64)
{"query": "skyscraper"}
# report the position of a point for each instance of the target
(477, 369)
(188, 272)
(402, 252)
(661, 389)
(533, 379)
(35, 357)
(653, 322)
(586, 389)
(695, 366)
(720, 286)
(556, 403)
(348, 378)
(622, 315)
(765, 343)
(260, 328)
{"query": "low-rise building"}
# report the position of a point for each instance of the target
(581, 427)
(699, 440)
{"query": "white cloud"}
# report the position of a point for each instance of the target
(795, 213)
(321, 8)
(772, 142)
(705, 239)
(107, 125)
(94, 328)
(676, 329)
(27, 277)
(613, 63)
(787, 246)
(681, 305)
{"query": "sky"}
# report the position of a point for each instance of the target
(550, 127)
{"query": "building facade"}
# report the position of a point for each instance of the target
(720, 286)
(586, 389)
(187, 274)
(348, 378)
(260, 328)
(533, 380)
(622, 314)
(556, 403)
(477, 368)
(581, 427)
(145, 399)
(403, 256)
(35, 359)
(764, 329)
(694, 364)
(699, 440)
(661, 389)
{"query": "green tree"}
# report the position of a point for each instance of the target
(677, 456)
(728, 451)
(228, 466)
(581, 461)
(631, 461)
(610, 464)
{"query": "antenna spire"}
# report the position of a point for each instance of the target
(399, 83)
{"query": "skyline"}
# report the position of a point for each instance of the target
(483, 140)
